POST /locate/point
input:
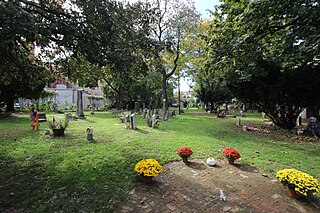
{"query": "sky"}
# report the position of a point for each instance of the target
(201, 6)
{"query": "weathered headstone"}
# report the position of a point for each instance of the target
(127, 125)
(136, 106)
(244, 128)
(122, 118)
(80, 113)
(144, 113)
(238, 122)
(133, 121)
(143, 106)
(241, 113)
(263, 115)
(303, 114)
(154, 120)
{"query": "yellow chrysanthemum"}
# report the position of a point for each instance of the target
(148, 167)
(303, 183)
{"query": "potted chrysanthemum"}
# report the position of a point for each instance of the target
(184, 153)
(231, 154)
(298, 183)
(148, 168)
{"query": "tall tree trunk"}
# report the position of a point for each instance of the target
(10, 104)
(164, 94)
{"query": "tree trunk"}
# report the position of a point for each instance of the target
(10, 105)
(164, 94)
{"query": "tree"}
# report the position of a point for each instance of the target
(170, 21)
(268, 53)
(112, 44)
(24, 25)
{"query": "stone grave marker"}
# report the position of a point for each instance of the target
(136, 106)
(238, 122)
(133, 121)
(154, 120)
(80, 113)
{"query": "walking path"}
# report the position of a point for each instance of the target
(195, 187)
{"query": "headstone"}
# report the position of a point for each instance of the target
(133, 122)
(238, 122)
(136, 106)
(241, 113)
(244, 128)
(122, 118)
(127, 122)
(154, 120)
(181, 107)
(144, 113)
(143, 106)
(80, 113)
(303, 114)
(263, 115)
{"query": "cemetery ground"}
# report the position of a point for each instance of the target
(71, 174)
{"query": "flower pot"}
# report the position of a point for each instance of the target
(58, 132)
(231, 161)
(185, 159)
(293, 193)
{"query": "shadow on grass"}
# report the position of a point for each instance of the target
(142, 131)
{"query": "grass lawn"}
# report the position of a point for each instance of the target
(70, 174)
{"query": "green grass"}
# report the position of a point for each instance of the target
(70, 174)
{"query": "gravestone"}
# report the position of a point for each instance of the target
(241, 113)
(144, 113)
(133, 122)
(122, 118)
(238, 122)
(154, 120)
(127, 122)
(143, 106)
(136, 106)
(80, 113)
(303, 114)
(244, 128)
(263, 115)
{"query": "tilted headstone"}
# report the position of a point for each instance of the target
(133, 121)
